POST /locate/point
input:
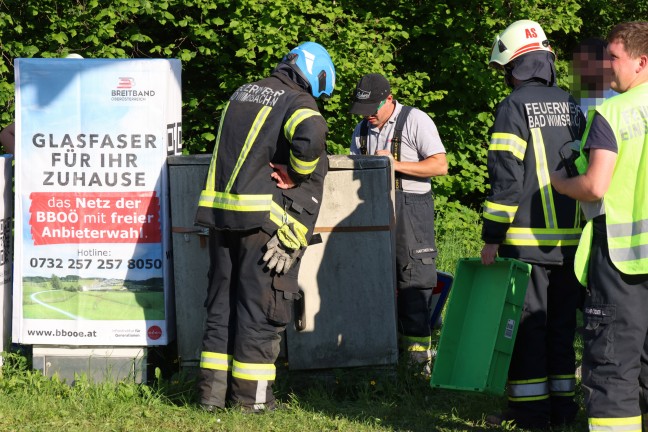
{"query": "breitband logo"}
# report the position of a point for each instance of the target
(126, 91)
(125, 83)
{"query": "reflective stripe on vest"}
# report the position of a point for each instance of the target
(254, 371)
(542, 236)
(623, 424)
(215, 361)
(508, 142)
(251, 203)
(528, 390)
(617, 241)
(562, 385)
(499, 212)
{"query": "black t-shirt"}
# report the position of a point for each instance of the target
(600, 135)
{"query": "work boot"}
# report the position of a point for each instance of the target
(421, 363)
(211, 408)
(262, 408)
(518, 419)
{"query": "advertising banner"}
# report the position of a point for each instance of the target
(92, 257)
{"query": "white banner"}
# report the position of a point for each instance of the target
(92, 257)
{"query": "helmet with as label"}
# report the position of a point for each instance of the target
(519, 38)
(313, 63)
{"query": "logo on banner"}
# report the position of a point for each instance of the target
(125, 83)
(126, 91)
(154, 332)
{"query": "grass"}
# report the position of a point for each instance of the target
(362, 400)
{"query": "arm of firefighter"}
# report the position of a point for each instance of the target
(506, 173)
(306, 131)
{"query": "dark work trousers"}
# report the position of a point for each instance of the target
(244, 318)
(615, 352)
(415, 268)
(541, 378)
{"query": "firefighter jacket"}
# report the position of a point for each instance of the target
(523, 214)
(625, 203)
(272, 120)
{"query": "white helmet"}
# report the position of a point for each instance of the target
(519, 38)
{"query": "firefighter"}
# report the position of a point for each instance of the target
(261, 198)
(526, 219)
(612, 257)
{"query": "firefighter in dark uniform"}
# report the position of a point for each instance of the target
(525, 219)
(261, 198)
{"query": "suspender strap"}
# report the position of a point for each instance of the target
(396, 141)
(364, 131)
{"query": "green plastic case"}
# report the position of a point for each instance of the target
(480, 325)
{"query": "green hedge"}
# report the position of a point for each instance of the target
(434, 53)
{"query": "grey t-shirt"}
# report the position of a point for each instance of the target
(420, 140)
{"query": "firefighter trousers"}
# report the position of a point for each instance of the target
(615, 352)
(541, 379)
(245, 315)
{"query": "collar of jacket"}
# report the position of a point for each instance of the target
(289, 77)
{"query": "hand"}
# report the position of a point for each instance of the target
(557, 179)
(278, 257)
(559, 174)
(489, 253)
(280, 175)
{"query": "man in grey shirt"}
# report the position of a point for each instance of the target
(418, 155)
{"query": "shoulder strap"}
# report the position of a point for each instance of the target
(364, 131)
(396, 140)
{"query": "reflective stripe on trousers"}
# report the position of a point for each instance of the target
(528, 390)
(624, 424)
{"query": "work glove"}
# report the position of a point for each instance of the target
(283, 249)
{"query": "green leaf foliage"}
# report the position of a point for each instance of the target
(435, 55)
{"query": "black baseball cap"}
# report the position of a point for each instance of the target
(371, 90)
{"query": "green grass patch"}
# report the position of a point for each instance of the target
(116, 304)
(376, 400)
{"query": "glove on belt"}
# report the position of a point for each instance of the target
(283, 249)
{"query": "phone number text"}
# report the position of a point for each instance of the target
(94, 263)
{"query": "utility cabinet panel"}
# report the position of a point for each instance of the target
(348, 312)
(190, 253)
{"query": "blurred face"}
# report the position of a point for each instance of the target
(385, 110)
(594, 74)
(624, 68)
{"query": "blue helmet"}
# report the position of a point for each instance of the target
(313, 63)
